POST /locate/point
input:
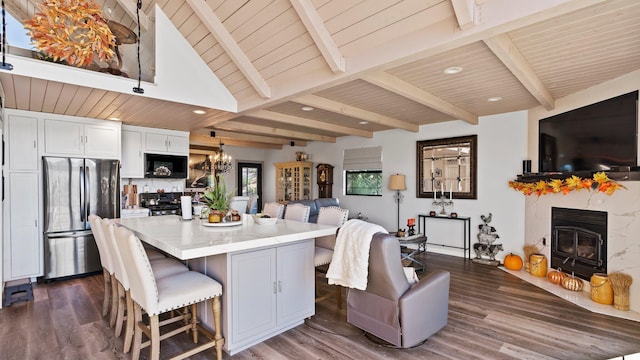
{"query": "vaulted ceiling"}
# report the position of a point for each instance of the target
(363, 66)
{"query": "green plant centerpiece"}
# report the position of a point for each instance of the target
(218, 201)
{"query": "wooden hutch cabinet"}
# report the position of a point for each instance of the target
(293, 181)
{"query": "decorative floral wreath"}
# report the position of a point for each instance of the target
(599, 182)
(74, 31)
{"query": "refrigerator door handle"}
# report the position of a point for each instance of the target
(87, 191)
(68, 234)
(83, 209)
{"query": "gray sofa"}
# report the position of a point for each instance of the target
(315, 206)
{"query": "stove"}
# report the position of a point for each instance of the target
(161, 203)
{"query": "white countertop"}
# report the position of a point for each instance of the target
(190, 239)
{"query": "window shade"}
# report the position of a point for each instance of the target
(363, 159)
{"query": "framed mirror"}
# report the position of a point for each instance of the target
(447, 168)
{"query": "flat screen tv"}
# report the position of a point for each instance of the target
(591, 138)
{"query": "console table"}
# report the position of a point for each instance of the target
(466, 221)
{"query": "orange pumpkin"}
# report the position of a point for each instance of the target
(556, 277)
(572, 283)
(513, 262)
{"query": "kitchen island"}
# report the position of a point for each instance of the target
(266, 271)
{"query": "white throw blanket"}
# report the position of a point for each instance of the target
(350, 262)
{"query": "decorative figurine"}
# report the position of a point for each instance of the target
(485, 245)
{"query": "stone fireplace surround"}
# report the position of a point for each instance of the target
(623, 245)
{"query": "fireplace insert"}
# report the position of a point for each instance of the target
(579, 241)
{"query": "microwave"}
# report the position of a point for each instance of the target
(165, 166)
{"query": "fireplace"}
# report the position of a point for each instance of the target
(579, 241)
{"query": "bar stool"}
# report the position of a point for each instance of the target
(158, 296)
(336, 216)
(108, 268)
(162, 266)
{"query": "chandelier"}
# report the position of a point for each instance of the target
(222, 161)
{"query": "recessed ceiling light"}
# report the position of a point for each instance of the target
(494, 99)
(363, 122)
(114, 118)
(452, 70)
(306, 108)
(199, 112)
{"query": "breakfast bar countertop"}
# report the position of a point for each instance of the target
(189, 239)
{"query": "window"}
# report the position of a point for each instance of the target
(363, 171)
(363, 182)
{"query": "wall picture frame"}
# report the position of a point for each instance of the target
(447, 167)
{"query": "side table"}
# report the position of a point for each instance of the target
(408, 253)
(466, 221)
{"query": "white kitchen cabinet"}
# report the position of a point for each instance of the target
(22, 143)
(22, 247)
(160, 141)
(132, 153)
(266, 291)
(79, 138)
(271, 289)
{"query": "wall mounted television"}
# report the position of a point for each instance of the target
(596, 137)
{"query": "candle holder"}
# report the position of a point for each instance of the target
(444, 203)
(412, 230)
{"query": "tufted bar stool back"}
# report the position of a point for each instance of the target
(160, 295)
(297, 212)
(274, 210)
(107, 263)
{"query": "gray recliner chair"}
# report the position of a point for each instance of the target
(392, 309)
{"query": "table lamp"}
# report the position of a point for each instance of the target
(396, 182)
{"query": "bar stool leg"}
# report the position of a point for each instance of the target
(121, 308)
(215, 305)
(154, 327)
(194, 323)
(114, 301)
(137, 334)
(128, 332)
(107, 293)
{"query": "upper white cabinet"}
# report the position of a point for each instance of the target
(98, 139)
(160, 141)
(22, 141)
(137, 140)
(132, 153)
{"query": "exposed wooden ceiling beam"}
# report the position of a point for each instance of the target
(504, 48)
(246, 137)
(205, 140)
(129, 7)
(296, 120)
(464, 13)
(217, 29)
(320, 35)
(266, 130)
(403, 88)
(338, 107)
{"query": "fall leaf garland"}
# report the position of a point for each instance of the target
(74, 31)
(599, 182)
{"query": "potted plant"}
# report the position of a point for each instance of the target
(218, 201)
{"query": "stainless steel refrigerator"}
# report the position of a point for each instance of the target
(74, 188)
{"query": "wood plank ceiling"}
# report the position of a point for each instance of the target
(363, 66)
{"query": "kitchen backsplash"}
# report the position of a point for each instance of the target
(168, 185)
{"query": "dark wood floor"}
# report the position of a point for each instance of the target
(492, 315)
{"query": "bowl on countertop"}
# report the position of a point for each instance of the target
(261, 220)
